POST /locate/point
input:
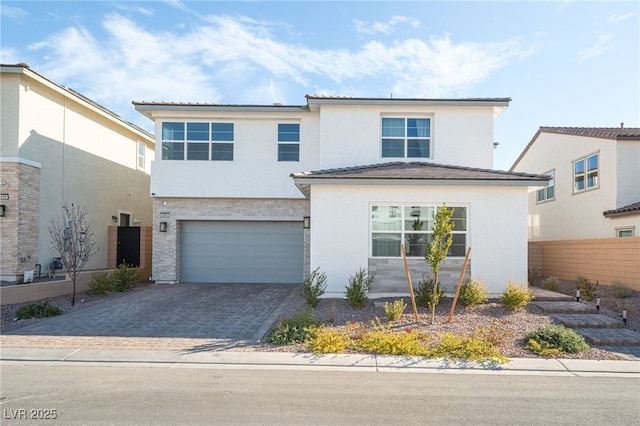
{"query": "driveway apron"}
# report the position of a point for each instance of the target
(217, 312)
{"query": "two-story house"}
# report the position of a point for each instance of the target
(266, 193)
(587, 221)
(59, 147)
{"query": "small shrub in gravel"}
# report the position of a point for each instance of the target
(587, 288)
(328, 340)
(551, 284)
(620, 290)
(473, 292)
(101, 284)
(424, 293)
(295, 329)
(124, 278)
(394, 310)
(315, 285)
(384, 340)
(551, 338)
(515, 296)
(38, 310)
(358, 288)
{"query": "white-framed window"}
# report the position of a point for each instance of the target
(405, 137)
(197, 141)
(585, 173)
(142, 150)
(288, 142)
(412, 225)
(625, 232)
(548, 193)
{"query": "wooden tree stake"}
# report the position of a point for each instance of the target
(406, 271)
(455, 298)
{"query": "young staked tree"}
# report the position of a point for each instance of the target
(439, 247)
(72, 239)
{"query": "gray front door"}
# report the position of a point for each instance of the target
(242, 252)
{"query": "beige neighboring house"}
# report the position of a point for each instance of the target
(587, 221)
(59, 147)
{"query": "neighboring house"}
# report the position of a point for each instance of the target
(58, 147)
(587, 221)
(236, 200)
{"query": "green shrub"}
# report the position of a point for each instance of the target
(424, 293)
(328, 340)
(101, 283)
(587, 288)
(315, 285)
(124, 278)
(38, 310)
(473, 292)
(551, 284)
(620, 290)
(295, 329)
(552, 336)
(394, 310)
(515, 296)
(383, 340)
(358, 287)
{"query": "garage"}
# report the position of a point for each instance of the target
(242, 252)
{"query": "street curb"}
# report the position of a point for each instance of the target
(307, 361)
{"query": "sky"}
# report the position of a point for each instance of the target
(563, 63)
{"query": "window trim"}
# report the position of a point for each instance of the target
(282, 143)
(585, 173)
(185, 141)
(625, 228)
(545, 190)
(404, 232)
(407, 138)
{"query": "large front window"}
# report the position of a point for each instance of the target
(393, 225)
(197, 141)
(406, 137)
(585, 173)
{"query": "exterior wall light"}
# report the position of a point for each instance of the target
(163, 226)
(114, 218)
(306, 222)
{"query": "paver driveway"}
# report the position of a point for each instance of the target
(229, 314)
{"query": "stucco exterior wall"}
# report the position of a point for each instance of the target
(166, 245)
(628, 177)
(572, 215)
(340, 231)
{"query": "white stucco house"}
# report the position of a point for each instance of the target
(266, 193)
(58, 147)
(587, 220)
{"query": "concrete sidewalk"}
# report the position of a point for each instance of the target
(306, 361)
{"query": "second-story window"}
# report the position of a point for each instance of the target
(585, 173)
(406, 137)
(141, 155)
(288, 142)
(195, 141)
(548, 193)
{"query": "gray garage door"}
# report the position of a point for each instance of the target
(242, 252)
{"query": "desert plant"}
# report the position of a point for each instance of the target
(424, 294)
(587, 288)
(515, 296)
(315, 285)
(358, 287)
(291, 330)
(441, 240)
(38, 310)
(124, 277)
(620, 290)
(394, 310)
(101, 284)
(495, 333)
(473, 292)
(328, 340)
(384, 340)
(552, 336)
(551, 284)
(469, 347)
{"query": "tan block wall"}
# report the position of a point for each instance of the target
(536, 265)
(166, 245)
(604, 260)
(19, 226)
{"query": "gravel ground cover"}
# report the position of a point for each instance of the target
(337, 312)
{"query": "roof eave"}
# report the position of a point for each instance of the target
(307, 180)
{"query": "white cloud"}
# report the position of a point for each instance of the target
(603, 44)
(614, 19)
(12, 12)
(385, 28)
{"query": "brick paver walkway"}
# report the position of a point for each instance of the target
(190, 317)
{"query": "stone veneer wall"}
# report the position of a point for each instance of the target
(390, 276)
(19, 226)
(166, 245)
